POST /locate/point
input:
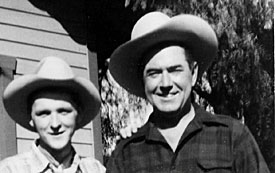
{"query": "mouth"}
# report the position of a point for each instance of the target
(56, 133)
(167, 95)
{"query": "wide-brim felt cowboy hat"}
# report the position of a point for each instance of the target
(157, 29)
(51, 73)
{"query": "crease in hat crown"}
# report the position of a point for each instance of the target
(148, 23)
(54, 68)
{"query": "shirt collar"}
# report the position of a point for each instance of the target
(202, 117)
(41, 163)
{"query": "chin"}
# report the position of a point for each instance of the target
(168, 110)
(58, 146)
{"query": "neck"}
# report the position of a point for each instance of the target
(164, 120)
(56, 155)
(173, 135)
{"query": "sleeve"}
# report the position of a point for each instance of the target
(247, 155)
(113, 166)
(6, 167)
(115, 163)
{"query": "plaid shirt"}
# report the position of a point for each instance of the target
(210, 143)
(35, 162)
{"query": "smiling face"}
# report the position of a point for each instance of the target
(54, 117)
(168, 80)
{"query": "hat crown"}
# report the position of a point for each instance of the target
(53, 68)
(148, 23)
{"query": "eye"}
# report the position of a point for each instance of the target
(153, 73)
(42, 113)
(64, 111)
(175, 69)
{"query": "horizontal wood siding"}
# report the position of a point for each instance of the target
(34, 52)
(40, 38)
(30, 34)
(22, 5)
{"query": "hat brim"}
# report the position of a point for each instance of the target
(198, 37)
(16, 95)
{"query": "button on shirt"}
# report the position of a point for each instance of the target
(35, 162)
(210, 143)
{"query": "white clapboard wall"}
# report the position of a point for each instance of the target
(29, 34)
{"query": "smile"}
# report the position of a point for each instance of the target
(167, 96)
(56, 133)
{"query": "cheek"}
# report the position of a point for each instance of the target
(184, 81)
(150, 84)
(41, 123)
(70, 120)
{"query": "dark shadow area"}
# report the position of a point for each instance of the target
(70, 14)
(102, 25)
(109, 25)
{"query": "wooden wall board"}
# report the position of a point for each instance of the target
(40, 38)
(47, 24)
(34, 52)
(26, 6)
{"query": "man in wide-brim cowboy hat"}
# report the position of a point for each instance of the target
(54, 103)
(161, 63)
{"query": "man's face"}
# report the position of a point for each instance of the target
(168, 80)
(54, 116)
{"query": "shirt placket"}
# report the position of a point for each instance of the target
(56, 169)
(173, 163)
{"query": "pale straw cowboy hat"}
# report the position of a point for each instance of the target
(154, 30)
(51, 72)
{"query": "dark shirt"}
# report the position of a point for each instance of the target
(210, 143)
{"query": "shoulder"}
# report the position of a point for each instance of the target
(137, 137)
(210, 119)
(90, 164)
(222, 122)
(235, 125)
(15, 163)
(226, 120)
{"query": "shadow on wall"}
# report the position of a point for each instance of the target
(102, 25)
(70, 14)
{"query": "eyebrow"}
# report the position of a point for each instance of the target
(160, 69)
(152, 69)
(174, 67)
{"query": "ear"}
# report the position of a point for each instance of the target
(31, 123)
(195, 70)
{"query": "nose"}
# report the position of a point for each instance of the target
(166, 82)
(55, 122)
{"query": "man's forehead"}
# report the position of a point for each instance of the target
(168, 57)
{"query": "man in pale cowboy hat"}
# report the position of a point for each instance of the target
(54, 103)
(161, 63)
